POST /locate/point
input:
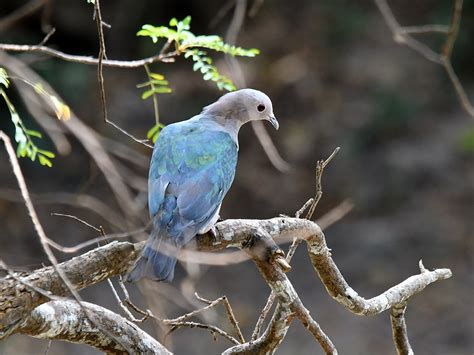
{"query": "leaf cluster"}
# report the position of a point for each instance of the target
(191, 45)
(156, 84)
(24, 136)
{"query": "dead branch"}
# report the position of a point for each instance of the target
(264, 253)
(399, 330)
(338, 288)
(65, 320)
(270, 339)
(115, 258)
(402, 35)
(16, 301)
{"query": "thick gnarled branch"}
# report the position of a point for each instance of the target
(66, 320)
(16, 301)
(338, 288)
(259, 238)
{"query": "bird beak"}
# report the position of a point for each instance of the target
(274, 122)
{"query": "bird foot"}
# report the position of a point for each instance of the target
(213, 232)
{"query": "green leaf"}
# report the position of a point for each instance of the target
(162, 90)
(191, 46)
(147, 94)
(24, 137)
(173, 22)
(154, 132)
(197, 65)
(32, 133)
(45, 161)
(208, 76)
(157, 76)
(4, 78)
(47, 153)
(187, 22)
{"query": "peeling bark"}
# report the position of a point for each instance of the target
(66, 320)
(338, 288)
(17, 300)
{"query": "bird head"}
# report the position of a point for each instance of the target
(243, 106)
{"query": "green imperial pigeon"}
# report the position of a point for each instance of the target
(191, 170)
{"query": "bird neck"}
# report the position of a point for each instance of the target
(224, 124)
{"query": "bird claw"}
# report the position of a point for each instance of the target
(213, 232)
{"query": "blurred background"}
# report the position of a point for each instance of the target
(336, 78)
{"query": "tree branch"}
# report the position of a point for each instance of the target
(16, 301)
(402, 35)
(85, 59)
(338, 288)
(255, 236)
(399, 330)
(269, 341)
(65, 320)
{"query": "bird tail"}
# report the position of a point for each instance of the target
(153, 264)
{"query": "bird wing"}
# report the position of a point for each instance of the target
(192, 169)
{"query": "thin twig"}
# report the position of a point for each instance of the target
(453, 29)
(402, 36)
(129, 64)
(44, 240)
(24, 11)
(320, 165)
(212, 328)
(304, 207)
(46, 38)
(103, 235)
(75, 218)
(93, 241)
(424, 29)
(100, 74)
(230, 313)
(263, 315)
(124, 308)
(313, 202)
(65, 198)
(48, 347)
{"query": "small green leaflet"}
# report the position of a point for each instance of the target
(155, 85)
(154, 132)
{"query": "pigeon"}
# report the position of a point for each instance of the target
(192, 168)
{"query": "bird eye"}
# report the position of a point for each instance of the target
(261, 108)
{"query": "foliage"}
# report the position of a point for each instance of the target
(156, 84)
(154, 132)
(185, 42)
(191, 46)
(23, 136)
